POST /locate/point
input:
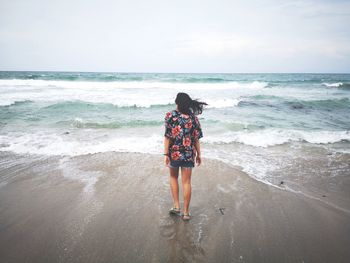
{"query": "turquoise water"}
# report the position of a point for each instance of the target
(236, 101)
(268, 124)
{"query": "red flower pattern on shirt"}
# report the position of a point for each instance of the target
(176, 131)
(175, 147)
(186, 141)
(175, 155)
(188, 125)
(167, 115)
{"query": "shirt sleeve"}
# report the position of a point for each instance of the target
(197, 132)
(168, 125)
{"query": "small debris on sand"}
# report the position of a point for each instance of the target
(222, 210)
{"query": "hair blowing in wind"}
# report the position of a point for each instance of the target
(187, 105)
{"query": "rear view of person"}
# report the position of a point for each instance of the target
(182, 147)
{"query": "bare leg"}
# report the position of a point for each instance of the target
(186, 184)
(174, 185)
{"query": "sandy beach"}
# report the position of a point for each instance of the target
(113, 207)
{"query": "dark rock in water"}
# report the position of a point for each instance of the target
(66, 133)
(281, 182)
(329, 153)
(323, 195)
(222, 210)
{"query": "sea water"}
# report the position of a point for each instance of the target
(290, 130)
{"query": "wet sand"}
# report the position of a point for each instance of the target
(113, 207)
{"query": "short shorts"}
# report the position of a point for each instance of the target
(176, 164)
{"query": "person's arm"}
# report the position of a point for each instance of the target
(197, 135)
(198, 150)
(166, 150)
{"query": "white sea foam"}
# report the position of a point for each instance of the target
(222, 103)
(271, 137)
(49, 143)
(115, 98)
(55, 144)
(92, 85)
(336, 84)
(259, 163)
(72, 171)
(145, 94)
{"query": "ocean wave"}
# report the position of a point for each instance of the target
(120, 103)
(265, 97)
(49, 143)
(272, 137)
(110, 77)
(103, 101)
(295, 104)
(345, 86)
(319, 104)
(222, 103)
(200, 79)
(53, 143)
(146, 84)
(121, 94)
(80, 123)
(212, 103)
(52, 103)
(72, 76)
(113, 77)
(337, 85)
(13, 102)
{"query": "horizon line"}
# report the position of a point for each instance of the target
(171, 72)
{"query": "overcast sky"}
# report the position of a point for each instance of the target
(175, 36)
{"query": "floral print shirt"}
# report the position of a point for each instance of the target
(183, 130)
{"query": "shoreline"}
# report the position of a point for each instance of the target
(113, 206)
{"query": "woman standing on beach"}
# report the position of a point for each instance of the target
(182, 147)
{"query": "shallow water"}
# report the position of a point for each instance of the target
(290, 128)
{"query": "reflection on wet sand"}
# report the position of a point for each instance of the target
(104, 208)
(183, 238)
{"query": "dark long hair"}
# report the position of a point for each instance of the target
(187, 105)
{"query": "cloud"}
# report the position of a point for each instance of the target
(230, 36)
(215, 46)
(315, 8)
